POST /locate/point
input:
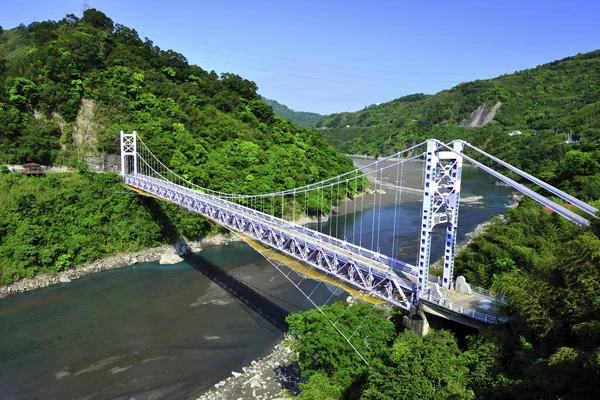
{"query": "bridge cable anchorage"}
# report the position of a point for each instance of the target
(568, 214)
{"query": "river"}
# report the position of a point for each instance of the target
(150, 331)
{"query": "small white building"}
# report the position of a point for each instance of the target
(513, 133)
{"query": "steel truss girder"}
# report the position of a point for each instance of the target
(328, 259)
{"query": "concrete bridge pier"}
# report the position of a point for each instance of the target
(416, 321)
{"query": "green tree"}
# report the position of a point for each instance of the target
(321, 349)
(430, 367)
(97, 19)
(22, 91)
(319, 386)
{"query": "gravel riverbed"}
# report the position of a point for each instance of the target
(275, 377)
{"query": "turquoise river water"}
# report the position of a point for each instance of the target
(150, 331)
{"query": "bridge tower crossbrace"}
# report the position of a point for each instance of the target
(441, 196)
(129, 162)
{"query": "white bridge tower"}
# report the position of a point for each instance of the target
(129, 164)
(441, 195)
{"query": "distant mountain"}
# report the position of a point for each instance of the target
(301, 118)
(543, 104)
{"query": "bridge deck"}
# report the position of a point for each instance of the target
(233, 216)
(452, 299)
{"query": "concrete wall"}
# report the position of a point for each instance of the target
(104, 163)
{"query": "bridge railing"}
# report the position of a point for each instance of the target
(489, 294)
(366, 275)
(479, 290)
(394, 264)
(261, 217)
(466, 311)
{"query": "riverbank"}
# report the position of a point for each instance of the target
(275, 377)
(402, 184)
(166, 254)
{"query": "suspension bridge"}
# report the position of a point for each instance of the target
(277, 221)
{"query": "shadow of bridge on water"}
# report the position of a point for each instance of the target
(239, 290)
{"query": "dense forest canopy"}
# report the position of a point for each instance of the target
(547, 267)
(212, 128)
(561, 96)
(52, 224)
(68, 87)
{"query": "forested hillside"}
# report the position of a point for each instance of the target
(195, 120)
(63, 220)
(68, 87)
(301, 118)
(543, 103)
(557, 97)
(547, 267)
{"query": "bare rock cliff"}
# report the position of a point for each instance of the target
(86, 126)
(481, 116)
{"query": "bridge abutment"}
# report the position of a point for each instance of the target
(416, 321)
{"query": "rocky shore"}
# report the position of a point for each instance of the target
(275, 377)
(165, 254)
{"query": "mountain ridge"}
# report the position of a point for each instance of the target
(561, 96)
(301, 118)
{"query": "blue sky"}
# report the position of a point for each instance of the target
(332, 56)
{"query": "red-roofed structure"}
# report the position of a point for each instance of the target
(32, 169)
